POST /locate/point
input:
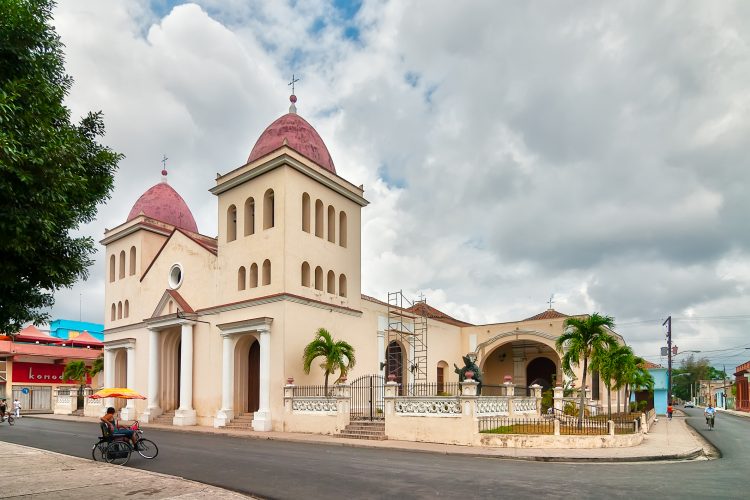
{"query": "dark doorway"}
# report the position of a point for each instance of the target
(541, 371)
(395, 364)
(253, 378)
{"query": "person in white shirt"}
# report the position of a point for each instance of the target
(710, 413)
(17, 407)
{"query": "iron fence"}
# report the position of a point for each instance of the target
(516, 425)
(368, 401)
(312, 391)
(625, 425)
(435, 389)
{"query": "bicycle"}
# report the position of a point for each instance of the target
(116, 449)
(11, 419)
(710, 422)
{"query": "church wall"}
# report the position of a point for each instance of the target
(264, 244)
(317, 251)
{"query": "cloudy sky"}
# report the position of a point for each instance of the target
(510, 150)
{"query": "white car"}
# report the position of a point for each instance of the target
(689, 404)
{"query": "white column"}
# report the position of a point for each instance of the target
(109, 375)
(153, 409)
(262, 417)
(381, 351)
(226, 413)
(185, 414)
(128, 413)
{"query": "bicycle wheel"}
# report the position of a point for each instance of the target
(98, 450)
(146, 448)
(118, 452)
(11, 420)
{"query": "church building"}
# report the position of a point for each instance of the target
(211, 329)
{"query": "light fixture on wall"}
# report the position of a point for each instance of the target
(382, 365)
(502, 356)
(413, 367)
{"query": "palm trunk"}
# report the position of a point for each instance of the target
(609, 403)
(627, 399)
(583, 391)
(326, 384)
(619, 408)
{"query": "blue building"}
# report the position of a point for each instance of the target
(659, 374)
(69, 329)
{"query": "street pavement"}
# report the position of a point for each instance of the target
(278, 468)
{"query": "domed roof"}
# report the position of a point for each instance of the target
(299, 135)
(164, 204)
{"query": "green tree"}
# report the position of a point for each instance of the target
(611, 363)
(337, 355)
(581, 338)
(53, 173)
(97, 367)
(636, 376)
(77, 371)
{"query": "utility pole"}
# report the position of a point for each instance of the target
(668, 322)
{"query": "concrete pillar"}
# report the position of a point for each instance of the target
(185, 414)
(153, 409)
(262, 417)
(226, 412)
(382, 327)
(109, 374)
(558, 399)
(536, 392)
(519, 366)
(128, 413)
(557, 427)
(343, 406)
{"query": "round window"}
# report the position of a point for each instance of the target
(175, 276)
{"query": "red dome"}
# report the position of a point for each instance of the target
(164, 204)
(299, 135)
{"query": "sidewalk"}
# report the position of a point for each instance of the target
(64, 477)
(666, 440)
(735, 413)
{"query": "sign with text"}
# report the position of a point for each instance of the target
(40, 373)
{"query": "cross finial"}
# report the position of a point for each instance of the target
(550, 301)
(294, 80)
(421, 297)
(164, 168)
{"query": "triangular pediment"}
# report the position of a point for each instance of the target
(171, 302)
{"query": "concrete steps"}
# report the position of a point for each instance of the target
(164, 418)
(243, 421)
(364, 429)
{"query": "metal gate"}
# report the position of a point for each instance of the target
(367, 398)
(38, 398)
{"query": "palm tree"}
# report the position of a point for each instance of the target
(581, 338)
(78, 372)
(637, 376)
(612, 363)
(97, 366)
(338, 355)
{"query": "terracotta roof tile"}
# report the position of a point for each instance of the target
(548, 314)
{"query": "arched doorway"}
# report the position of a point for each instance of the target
(541, 371)
(394, 357)
(247, 375)
(170, 370)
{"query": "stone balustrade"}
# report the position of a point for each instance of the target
(318, 414)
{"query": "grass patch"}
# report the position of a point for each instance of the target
(520, 429)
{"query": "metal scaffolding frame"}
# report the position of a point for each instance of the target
(409, 329)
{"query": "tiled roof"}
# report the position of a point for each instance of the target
(548, 314)
(423, 309)
(649, 364)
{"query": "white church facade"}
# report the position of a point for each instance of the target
(211, 329)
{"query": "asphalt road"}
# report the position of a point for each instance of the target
(278, 469)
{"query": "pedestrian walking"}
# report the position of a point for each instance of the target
(669, 411)
(17, 407)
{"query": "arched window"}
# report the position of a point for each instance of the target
(126, 311)
(111, 269)
(342, 285)
(119, 310)
(268, 209)
(241, 278)
(331, 282)
(318, 218)
(266, 272)
(394, 359)
(342, 229)
(319, 278)
(231, 223)
(305, 274)
(132, 261)
(306, 212)
(113, 313)
(254, 276)
(249, 216)
(122, 264)
(331, 224)
(441, 368)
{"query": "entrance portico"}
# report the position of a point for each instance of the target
(113, 351)
(239, 375)
(171, 371)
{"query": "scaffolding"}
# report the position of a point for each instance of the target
(407, 325)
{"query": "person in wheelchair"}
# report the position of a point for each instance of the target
(115, 428)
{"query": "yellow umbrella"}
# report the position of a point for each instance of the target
(117, 392)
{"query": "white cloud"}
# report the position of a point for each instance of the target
(509, 151)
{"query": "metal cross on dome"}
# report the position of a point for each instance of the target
(550, 301)
(294, 80)
(164, 162)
